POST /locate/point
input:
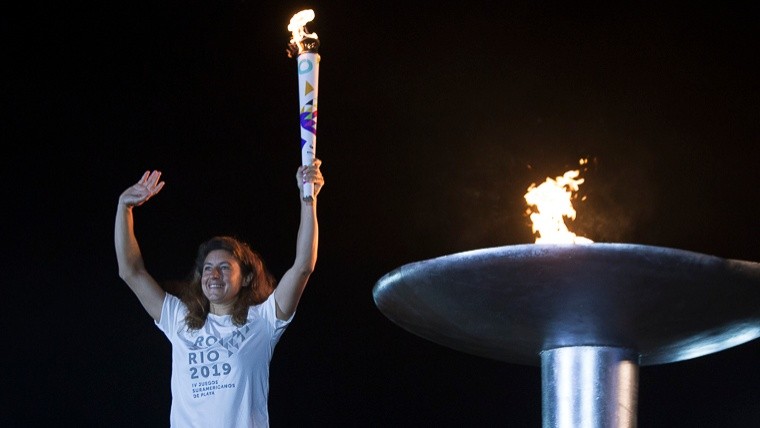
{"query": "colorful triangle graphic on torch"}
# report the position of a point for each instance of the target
(308, 89)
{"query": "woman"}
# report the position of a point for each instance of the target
(226, 320)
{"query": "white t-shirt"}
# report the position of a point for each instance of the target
(220, 373)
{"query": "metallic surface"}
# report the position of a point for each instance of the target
(589, 387)
(511, 303)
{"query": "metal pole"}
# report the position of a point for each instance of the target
(589, 387)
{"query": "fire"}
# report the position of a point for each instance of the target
(549, 203)
(297, 28)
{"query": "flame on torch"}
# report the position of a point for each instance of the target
(304, 45)
(301, 40)
(549, 204)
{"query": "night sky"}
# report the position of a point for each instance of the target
(433, 121)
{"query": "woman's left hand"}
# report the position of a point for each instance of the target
(310, 174)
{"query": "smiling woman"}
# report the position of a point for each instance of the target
(227, 279)
(226, 319)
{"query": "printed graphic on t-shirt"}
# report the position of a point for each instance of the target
(211, 356)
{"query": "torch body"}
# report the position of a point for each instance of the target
(308, 89)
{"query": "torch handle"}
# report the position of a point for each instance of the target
(308, 85)
(308, 188)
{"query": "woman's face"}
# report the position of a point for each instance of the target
(221, 278)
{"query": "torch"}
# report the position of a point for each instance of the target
(303, 46)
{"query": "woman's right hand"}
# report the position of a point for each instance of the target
(148, 186)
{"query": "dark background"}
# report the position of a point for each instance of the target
(433, 121)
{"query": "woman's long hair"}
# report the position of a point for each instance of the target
(253, 292)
